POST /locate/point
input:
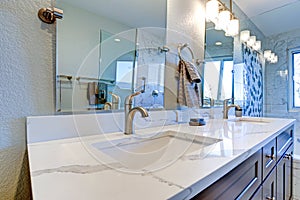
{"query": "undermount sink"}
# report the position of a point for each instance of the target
(252, 120)
(155, 151)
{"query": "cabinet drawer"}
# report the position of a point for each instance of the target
(269, 158)
(284, 140)
(240, 183)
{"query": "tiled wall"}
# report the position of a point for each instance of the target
(253, 83)
(276, 80)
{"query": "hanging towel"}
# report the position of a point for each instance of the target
(188, 94)
(92, 93)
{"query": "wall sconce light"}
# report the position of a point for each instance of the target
(222, 17)
(270, 56)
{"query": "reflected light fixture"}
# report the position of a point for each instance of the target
(251, 42)
(257, 45)
(270, 56)
(222, 17)
(218, 43)
(244, 35)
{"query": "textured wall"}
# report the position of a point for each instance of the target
(276, 80)
(26, 87)
(185, 24)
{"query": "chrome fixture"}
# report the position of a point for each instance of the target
(163, 49)
(115, 101)
(49, 15)
(107, 106)
(180, 47)
(227, 107)
(130, 112)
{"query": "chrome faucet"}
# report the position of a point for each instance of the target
(130, 112)
(115, 101)
(107, 106)
(227, 107)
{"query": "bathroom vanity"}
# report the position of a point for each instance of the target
(226, 159)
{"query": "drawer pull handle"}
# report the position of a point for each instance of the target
(271, 156)
(270, 198)
(288, 156)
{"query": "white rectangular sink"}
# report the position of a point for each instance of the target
(159, 150)
(252, 120)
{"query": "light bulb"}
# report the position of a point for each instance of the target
(267, 54)
(257, 45)
(271, 57)
(224, 19)
(212, 10)
(245, 35)
(274, 59)
(251, 41)
(233, 28)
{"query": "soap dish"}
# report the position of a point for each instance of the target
(197, 122)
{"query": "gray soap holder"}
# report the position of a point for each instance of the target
(197, 122)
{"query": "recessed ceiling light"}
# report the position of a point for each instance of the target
(218, 43)
(117, 40)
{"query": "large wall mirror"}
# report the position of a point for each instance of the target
(104, 53)
(218, 67)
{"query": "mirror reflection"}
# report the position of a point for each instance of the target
(104, 56)
(218, 67)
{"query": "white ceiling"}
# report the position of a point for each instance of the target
(272, 16)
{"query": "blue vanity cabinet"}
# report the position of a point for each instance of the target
(266, 175)
(285, 165)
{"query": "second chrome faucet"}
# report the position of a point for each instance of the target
(130, 112)
(226, 108)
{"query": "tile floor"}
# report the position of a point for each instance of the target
(296, 179)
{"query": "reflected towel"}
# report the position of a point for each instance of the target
(92, 93)
(188, 94)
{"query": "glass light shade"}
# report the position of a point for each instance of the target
(217, 25)
(245, 35)
(271, 57)
(274, 59)
(267, 54)
(257, 45)
(233, 28)
(212, 10)
(224, 19)
(251, 41)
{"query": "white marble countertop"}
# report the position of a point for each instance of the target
(75, 169)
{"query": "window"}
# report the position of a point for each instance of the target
(294, 79)
(124, 71)
(218, 75)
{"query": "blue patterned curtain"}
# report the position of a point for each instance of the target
(253, 83)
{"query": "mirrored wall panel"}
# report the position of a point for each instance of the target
(104, 53)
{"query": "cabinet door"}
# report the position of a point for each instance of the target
(269, 187)
(269, 157)
(239, 184)
(284, 176)
(258, 194)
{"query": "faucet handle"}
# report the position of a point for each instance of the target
(128, 99)
(226, 100)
